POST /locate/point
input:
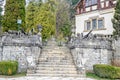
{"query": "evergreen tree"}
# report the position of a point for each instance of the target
(0, 19)
(14, 10)
(43, 14)
(45, 17)
(116, 20)
(30, 15)
(0, 16)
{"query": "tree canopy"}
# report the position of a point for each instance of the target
(116, 20)
(63, 22)
(14, 10)
(43, 14)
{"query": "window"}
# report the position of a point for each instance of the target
(94, 23)
(90, 2)
(86, 3)
(100, 24)
(94, 2)
(88, 24)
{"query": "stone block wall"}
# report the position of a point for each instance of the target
(91, 50)
(116, 48)
(20, 47)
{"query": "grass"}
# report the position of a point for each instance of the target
(92, 75)
(13, 76)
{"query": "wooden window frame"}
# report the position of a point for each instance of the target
(103, 23)
(97, 28)
(85, 25)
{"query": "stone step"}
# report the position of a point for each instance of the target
(55, 48)
(55, 72)
(61, 66)
(56, 75)
(55, 51)
(54, 55)
(54, 63)
(56, 68)
(55, 58)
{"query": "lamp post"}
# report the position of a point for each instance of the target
(39, 33)
(19, 21)
(39, 28)
(73, 32)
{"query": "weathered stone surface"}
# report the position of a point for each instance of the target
(55, 61)
(116, 48)
(18, 46)
(91, 50)
(46, 78)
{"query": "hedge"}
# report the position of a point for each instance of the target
(8, 67)
(107, 71)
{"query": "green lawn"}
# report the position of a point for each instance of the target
(92, 75)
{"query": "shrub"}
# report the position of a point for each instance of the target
(8, 67)
(107, 71)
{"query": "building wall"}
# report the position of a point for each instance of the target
(107, 14)
(2, 5)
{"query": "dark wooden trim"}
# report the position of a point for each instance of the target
(90, 5)
(104, 4)
(82, 6)
(99, 5)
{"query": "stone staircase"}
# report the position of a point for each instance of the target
(55, 61)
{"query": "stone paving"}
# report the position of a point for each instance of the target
(46, 78)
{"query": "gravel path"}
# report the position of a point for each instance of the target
(45, 78)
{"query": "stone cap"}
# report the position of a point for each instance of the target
(16, 38)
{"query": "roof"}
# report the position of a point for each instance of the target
(77, 3)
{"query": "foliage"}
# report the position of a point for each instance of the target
(66, 30)
(14, 10)
(8, 67)
(94, 76)
(107, 71)
(63, 25)
(0, 19)
(45, 16)
(116, 20)
(30, 15)
(73, 2)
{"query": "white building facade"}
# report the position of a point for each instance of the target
(2, 5)
(95, 15)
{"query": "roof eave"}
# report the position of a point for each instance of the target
(77, 4)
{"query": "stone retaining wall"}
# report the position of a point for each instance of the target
(91, 50)
(20, 47)
(116, 48)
